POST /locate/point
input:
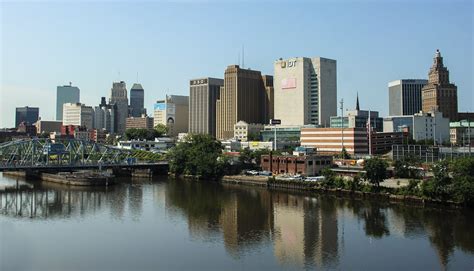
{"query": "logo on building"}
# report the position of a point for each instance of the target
(288, 64)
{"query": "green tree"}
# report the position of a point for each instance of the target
(199, 155)
(253, 137)
(376, 170)
(161, 130)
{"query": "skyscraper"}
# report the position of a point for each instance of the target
(65, 94)
(439, 94)
(203, 94)
(305, 90)
(137, 94)
(243, 97)
(104, 116)
(26, 114)
(405, 96)
(118, 97)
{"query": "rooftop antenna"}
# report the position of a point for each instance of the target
(238, 58)
(243, 56)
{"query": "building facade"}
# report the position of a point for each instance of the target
(78, 114)
(462, 132)
(173, 112)
(118, 97)
(243, 97)
(332, 140)
(358, 119)
(439, 94)
(420, 126)
(243, 131)
(305, 165)
(405, 96)
(26, 114)
(66, 94)
(203, 94)
(137, 96)
(48, 126)
(143, 122)
(305, 91)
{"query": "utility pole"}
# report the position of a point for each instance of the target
(469, 135)
(342, 125)
(369, 126)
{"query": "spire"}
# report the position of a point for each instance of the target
(357, 102)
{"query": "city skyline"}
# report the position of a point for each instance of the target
(366, 63)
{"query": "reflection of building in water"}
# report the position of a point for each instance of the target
(306, 231)
(135, 200)
(246, 220)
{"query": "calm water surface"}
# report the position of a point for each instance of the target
(164, 224)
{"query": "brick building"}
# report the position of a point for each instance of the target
(306, 165)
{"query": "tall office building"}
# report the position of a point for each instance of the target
(118, 96)
(305, 91)
(137, 94)
(26, 114)
(405, 96)
(65, 94)
(173, 112)
(439, 94)
(243, 97)
(78, 114)
(104, 116)
(203, 94)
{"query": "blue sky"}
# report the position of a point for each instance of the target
(45, 44)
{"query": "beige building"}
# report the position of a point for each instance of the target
(78, 114)
(203, 94)
(173, 112)
(243, 97)
(332, 140)
(143, 122)
(305, 91)
(439, 94)
(244, 130)
(48, 126)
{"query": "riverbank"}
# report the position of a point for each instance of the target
(314, 187)
(85, 178)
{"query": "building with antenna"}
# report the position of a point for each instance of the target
(305, 90)
(118, 97)
(137, 96)
(66, 94)
(440, 94)
(243, 97)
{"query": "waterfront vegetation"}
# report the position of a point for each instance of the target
(199, 156)
(147, 156)
(146, 134)
(452, 181)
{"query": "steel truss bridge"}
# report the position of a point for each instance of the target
(38, 154)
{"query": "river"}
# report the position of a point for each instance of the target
(164, 224)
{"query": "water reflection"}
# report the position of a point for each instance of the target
(301, 230)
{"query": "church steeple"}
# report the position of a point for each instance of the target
(357, 102)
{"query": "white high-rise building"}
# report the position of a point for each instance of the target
(305, 91)
(78, 114)
(65, 94)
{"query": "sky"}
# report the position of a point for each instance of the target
(164, 44)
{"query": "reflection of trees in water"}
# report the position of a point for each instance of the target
(374, 216)
(445, 228)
